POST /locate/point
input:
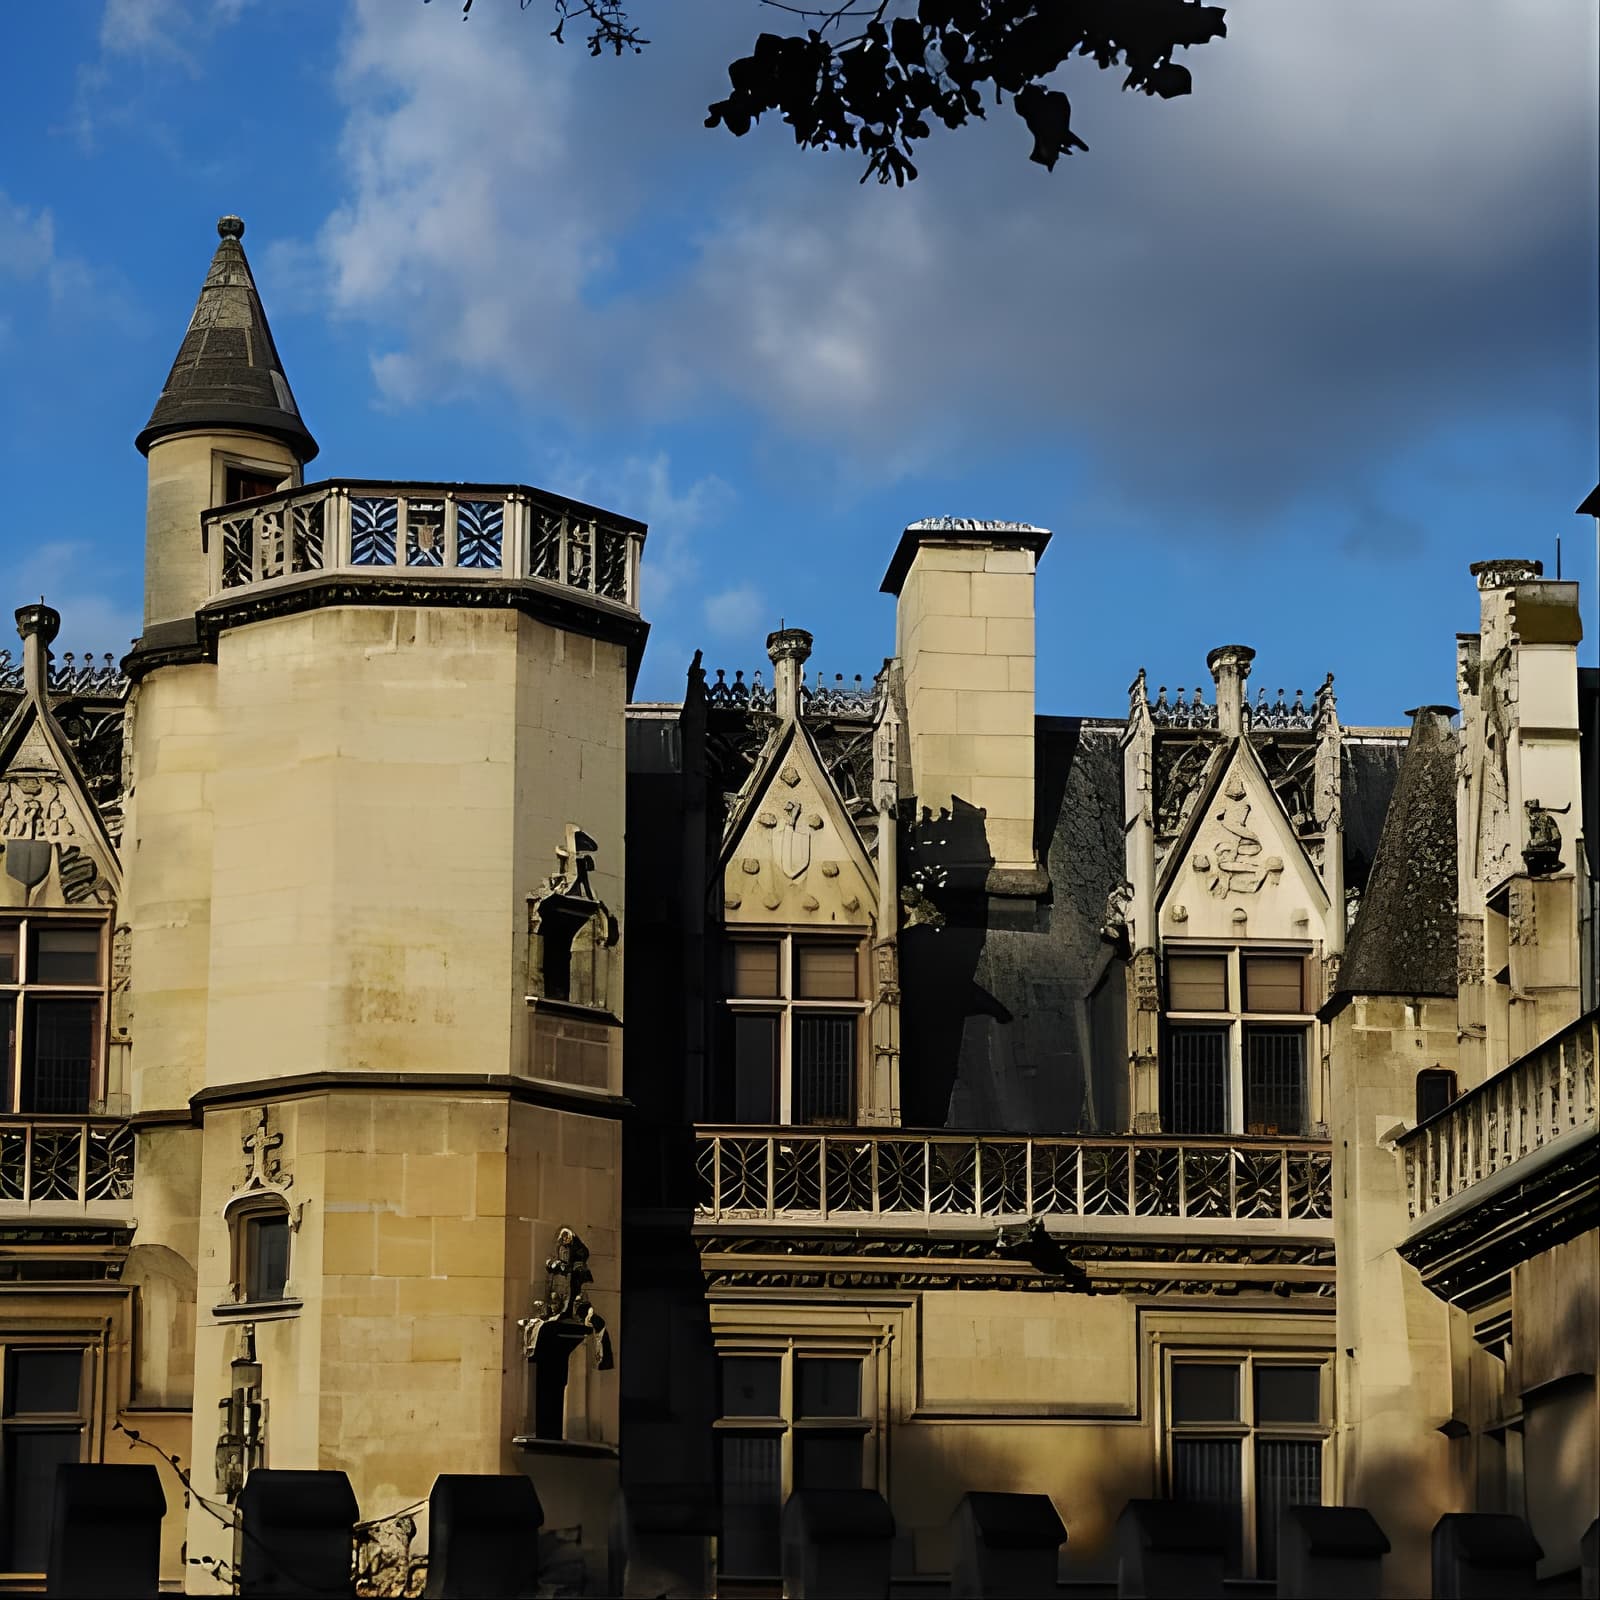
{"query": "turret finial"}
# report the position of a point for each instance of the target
(230, 227)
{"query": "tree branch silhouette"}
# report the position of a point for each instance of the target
(913, 63)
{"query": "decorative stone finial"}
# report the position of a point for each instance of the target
(230, 227)
(40, 619)
(1230, 666)
(789, 644)
(38, 625)
(789, 649)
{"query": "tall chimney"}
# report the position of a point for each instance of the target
(38, 625)
(1230, 666)
(964, 636)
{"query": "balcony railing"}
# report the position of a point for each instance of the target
(1547, 1095)
(55, 1164)
(423, 530)
(897, 1178)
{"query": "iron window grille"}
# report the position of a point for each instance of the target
(792, 1415)
(52, 1014)
(1246, 1436)
(1239, 1034)
(796, 1005)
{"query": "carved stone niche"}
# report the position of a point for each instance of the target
(572, 936)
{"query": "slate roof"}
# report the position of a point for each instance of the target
(1404, 938)
(227, 373)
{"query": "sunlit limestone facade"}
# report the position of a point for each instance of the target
(325, 993)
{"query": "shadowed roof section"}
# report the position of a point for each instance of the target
(1404, 938)
(228, 373)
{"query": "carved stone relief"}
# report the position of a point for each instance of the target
(1236, 864)
(1469, 950)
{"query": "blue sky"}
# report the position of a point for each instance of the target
(1275, 362)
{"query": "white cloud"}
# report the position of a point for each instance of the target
(735, 613)
(29, 254)
(68, 574)
(1357, 225)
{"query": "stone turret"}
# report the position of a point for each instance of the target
(225, 427)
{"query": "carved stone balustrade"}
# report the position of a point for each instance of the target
(88, 676)
(1536, 1111)
(62, 1164)
(896, 1178)
(820, 697)
(424, 531)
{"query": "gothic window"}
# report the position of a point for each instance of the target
(796, 1415)
(1238, 1031)
(52, 1010)
(260, 1228)
(43, 1422)
(1247, 1436)
(795, 1029)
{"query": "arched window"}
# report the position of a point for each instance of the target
(260, 1229)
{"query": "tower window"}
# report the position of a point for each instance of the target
(261, 1251)
(245, 483)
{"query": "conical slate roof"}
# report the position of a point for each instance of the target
(228, 373)
(1404, 938)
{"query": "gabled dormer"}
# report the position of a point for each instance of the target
(807, 963)
(1235, 903)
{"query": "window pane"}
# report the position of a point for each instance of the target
(1194, 1092)
(1289, 1394)
(1197, 983)
(1436, 1088)
(751, 1503)
(8, 1044)
(824, 1068)
(44, 1383)
(1272, 983)
(58, 1056)
(8, 955)
(755, 1068)
(755, 970)
(827, 1387)
(750, 1386)
(1204, 1391)
(1288, 1473)
(1274, 1080)
(1206, 1472)
(266, 1257)
(825, 971)
(65, 955)
(31, 1459)
(827, 1460)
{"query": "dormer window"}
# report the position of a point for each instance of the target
(51, 1014)
(796, 1017)
(1238, 1032)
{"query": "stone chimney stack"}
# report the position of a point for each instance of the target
(788, 650)
(964, 636)
(38, 625)
(1230, 667)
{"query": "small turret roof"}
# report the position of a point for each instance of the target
(227, 373)
(1404, 938)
